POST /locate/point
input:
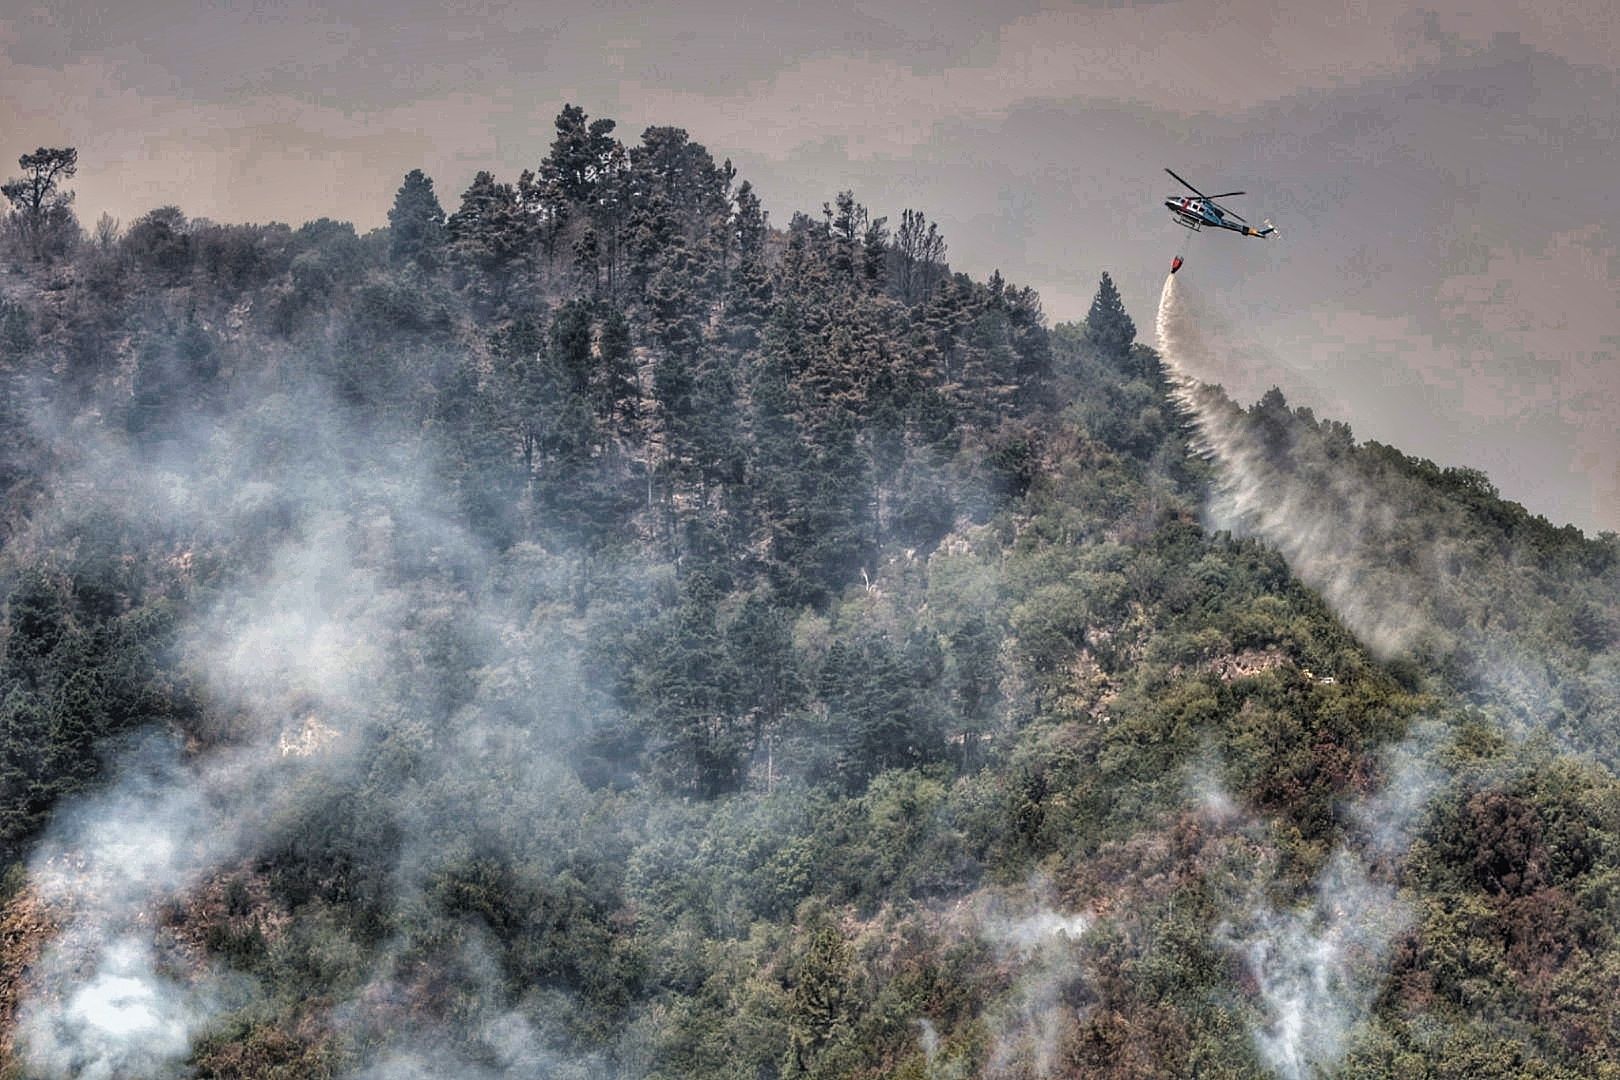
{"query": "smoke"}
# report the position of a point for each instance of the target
(305, 639)
(494, 1043)
(1333, 530)
(1414, 560)
(125, 1019)
(928, 1038)
(938, 1064)
(1043, 945)
(1413, 778)
(348, 642)
(108, 998)
(1317, 966)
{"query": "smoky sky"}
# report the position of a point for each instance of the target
(1447, 276)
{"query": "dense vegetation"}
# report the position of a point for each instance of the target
(664, 645)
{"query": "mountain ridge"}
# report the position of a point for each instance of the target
(594, 633)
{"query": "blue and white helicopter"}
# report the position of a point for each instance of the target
(1204, 210)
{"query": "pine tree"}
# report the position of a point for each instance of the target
(615, 392)
(818, 1004)
(748, 299)
(578, 154)
(16, 333)
(1033, 345)
(588, 264)
(875, 253)
(1108, 327)
(612, 198)
(751, 221)
(571, 345)
(416, 223)
(481, 476)
(40, 206)
(689, 686)
(920, 256)
(846, 226)
(517, 352)
(489, 232)
(670, 163)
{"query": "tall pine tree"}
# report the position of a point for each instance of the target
(416, 223)
(1108, 327)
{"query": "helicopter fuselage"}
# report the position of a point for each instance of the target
(1197, 213)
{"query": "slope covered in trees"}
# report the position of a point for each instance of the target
(587, 631)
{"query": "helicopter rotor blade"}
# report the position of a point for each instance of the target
(1186, 185)
(1211, 198)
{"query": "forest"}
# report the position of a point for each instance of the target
(584, 629)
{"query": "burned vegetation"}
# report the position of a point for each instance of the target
(588, 630)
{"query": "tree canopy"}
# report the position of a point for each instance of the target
(603, 632)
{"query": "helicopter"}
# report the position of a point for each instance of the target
(1194, 214)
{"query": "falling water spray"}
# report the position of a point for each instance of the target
(1316, 968)
(1319, 515)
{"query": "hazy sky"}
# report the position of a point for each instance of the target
(1443, 176)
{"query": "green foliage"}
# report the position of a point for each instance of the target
(1109, 328)
(579, 155)
(41, 209)
(160, 243)
(84, 661)
(826, 641)
(416, 223)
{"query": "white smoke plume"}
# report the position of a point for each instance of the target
(1317, 968)
(1413, 777)
(938, 1064)
(1407, 570)
(1043, 945)
(1333, 538)
(495, 1046)
(126, 1019)
(307, 637)
(928, 1038)
(108, 999)
(316, 650)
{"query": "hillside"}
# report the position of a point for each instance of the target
(595, 633)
